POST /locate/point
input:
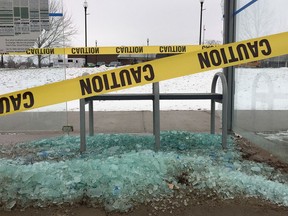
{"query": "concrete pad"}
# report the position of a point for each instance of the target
(30, 125)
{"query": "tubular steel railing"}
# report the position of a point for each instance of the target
(156, 97)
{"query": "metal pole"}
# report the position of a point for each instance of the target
(91, 118)
(229, 37)
(85, 10)
(156, 115)
(83, 122)
(224, 107)
(82, 126)
(201, 10)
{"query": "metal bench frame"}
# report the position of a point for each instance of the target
(155, 96)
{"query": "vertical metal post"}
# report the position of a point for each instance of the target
(224, 107)
(156, 115)
(85, 11)
(212, 119)
(229, 37)
(91, 118)
(224, 114)
(201, 14)
(82, 126)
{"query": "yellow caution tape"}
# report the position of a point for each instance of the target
(113, 50)
(144, 73)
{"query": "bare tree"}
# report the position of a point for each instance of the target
(256, 21)
(61, 30)
(29, 62)
(11, 62)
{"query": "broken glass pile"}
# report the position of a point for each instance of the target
(120, 170)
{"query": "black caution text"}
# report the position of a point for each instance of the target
(172, 49)
(14, 103)
(42, 51)
(113, 80)
(85, 50)
(230, 54)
